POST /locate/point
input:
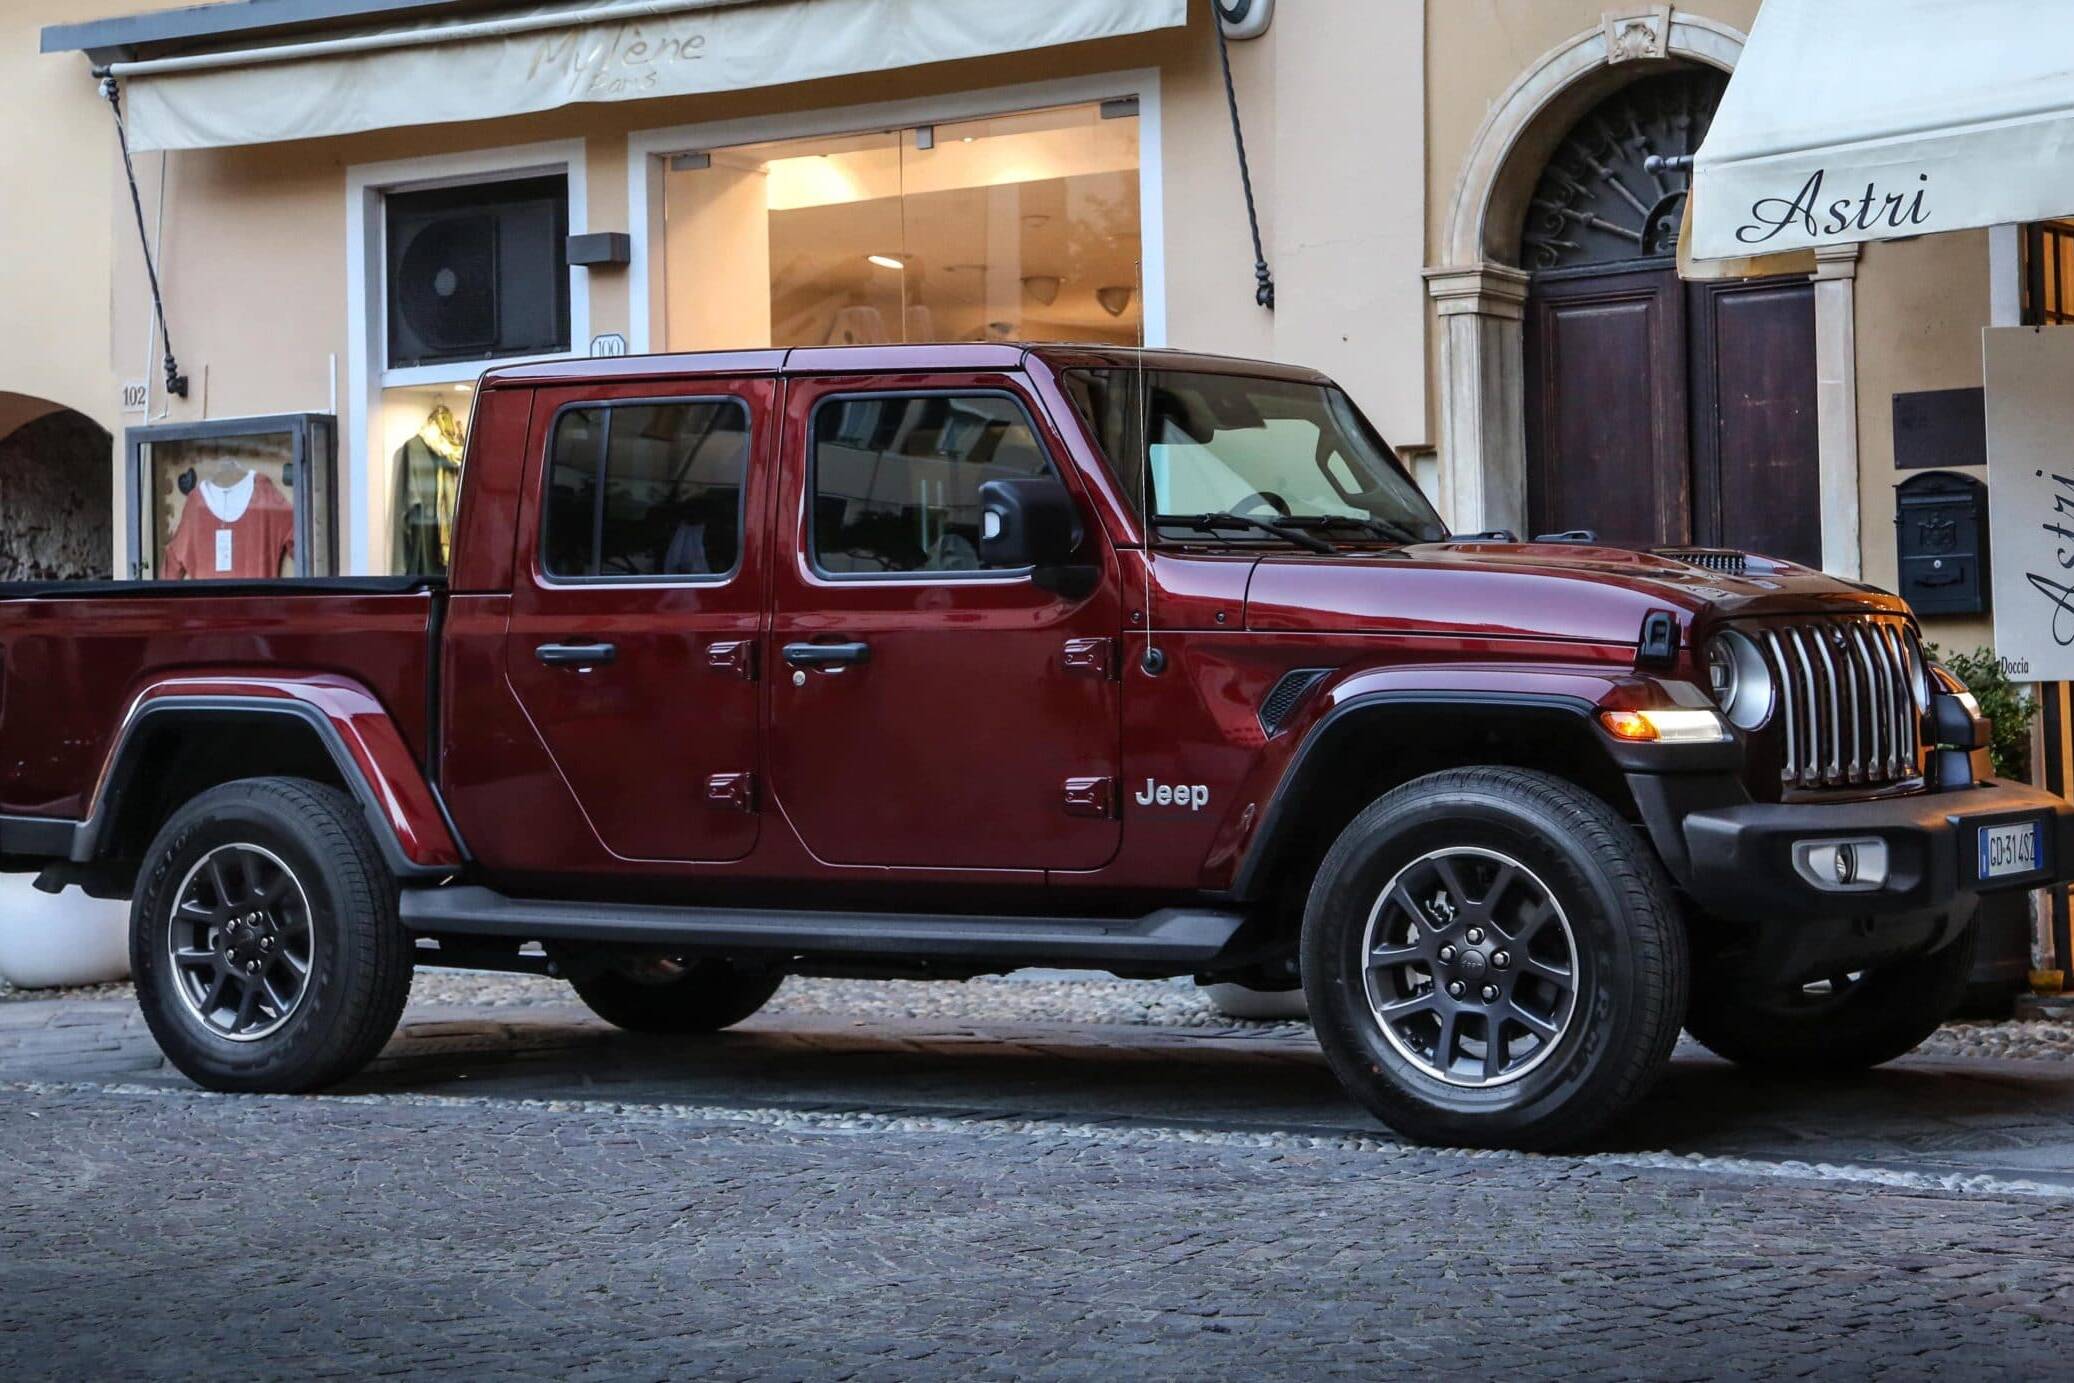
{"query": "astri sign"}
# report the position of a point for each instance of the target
(2030, 409)
(1874, 213)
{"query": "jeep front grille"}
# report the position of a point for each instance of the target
(1848, 701)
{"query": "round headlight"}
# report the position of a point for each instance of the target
(1740, 680)
(1721, 672)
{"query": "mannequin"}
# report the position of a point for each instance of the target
(427, 485)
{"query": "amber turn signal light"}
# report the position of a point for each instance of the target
(1671, 725)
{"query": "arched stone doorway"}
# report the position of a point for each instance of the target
(1659, 411)
(1483, 286)
(57, 493)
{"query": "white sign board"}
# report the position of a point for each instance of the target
(608, 345)
(136, 395)
(2030, 406)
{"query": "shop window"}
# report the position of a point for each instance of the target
(246, 499)
(478, 272)
(2049, 274)
(896, 479)
(646, 490)
(1014, 227)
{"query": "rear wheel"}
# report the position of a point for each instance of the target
(264, 938)
(673, 995)
(1492, 958)
(1846, 1022)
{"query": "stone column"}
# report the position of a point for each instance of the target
(1836, 406)
(1483, 437)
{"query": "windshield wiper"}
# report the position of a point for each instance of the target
(1389, 530)
(1210, 523)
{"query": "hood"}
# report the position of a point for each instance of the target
(1537, 590)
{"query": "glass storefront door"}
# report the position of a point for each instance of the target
(1020, 227)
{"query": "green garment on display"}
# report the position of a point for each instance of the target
(427, 486)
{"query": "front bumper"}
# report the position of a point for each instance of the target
(1735, 856)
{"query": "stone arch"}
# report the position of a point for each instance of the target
(57, 492)
(1479, 291)
(1515, 140)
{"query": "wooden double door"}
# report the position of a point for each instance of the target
(1664, 412)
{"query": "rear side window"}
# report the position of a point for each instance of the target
(896, 479)
(649, 489)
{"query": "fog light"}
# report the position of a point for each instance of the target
(1857, 865)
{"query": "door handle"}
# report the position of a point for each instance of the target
(576, 654)
(827, 654)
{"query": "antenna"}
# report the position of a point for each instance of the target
(1154, 661)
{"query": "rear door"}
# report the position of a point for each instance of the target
(925, 711)
(637, 603)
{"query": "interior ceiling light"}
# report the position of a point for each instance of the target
(1115, 298)
(887, 261)
(1042, 289)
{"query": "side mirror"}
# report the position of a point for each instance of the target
(1033, 523)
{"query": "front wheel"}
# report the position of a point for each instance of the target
(1847, 1022)
(264, 938)
(1492, 958)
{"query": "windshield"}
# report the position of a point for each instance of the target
(1293, 455)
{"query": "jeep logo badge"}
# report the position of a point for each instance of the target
(1188, 796)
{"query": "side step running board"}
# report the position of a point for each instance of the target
(1178, 937)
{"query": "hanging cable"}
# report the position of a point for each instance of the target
(1264, 292)
(176, 383)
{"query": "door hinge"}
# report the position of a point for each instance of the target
(734, 655)
(731, 792)
(1095, 797)
(1094, 657)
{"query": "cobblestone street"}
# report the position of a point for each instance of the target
(516, 1188)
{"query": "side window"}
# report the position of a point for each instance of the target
(896, 479)
(646, 490)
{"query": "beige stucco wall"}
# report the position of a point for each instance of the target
(57, 200)
(255, 250)
(1921, 307)
(1359, 117)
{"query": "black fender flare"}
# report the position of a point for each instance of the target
(90, 839)
(1313, 758)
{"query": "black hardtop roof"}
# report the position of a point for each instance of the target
(887, 359)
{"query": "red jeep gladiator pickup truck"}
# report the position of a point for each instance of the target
(941, 661)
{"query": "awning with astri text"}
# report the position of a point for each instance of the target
(544, 56)
(1851, 120)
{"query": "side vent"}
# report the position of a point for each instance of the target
(1286, 695)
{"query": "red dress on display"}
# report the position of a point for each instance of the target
(240, 532)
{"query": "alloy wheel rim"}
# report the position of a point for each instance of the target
(240, 942)
(1470, 967)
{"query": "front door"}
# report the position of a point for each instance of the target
(637, 605)
(1606, 418)
(928, 712)
(1664, 412)
(1659, 412)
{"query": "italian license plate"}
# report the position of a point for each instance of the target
(2009, 849)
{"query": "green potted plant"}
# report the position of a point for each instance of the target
(2002, 966)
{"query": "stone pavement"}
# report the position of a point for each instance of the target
(522, 1191)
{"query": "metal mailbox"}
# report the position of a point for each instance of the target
(1941, 543)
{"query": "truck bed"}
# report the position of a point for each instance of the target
(75, 655)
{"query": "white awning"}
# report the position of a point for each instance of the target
(546, 56)
(1852, 120)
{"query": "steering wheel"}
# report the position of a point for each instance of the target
(1263, 499)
